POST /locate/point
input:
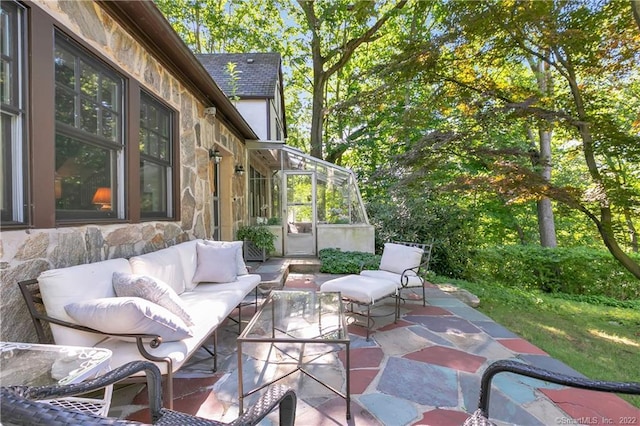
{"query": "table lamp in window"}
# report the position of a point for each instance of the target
(102, 197)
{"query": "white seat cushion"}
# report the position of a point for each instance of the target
(413, 279)
(361, 288)
(398, 257)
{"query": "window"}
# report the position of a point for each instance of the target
(156, 168)
(89, 158)
(258, 205)
(13, 152)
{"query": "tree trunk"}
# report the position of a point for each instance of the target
(633, 234)
(635, 5)
(546, 221)
(317, 113)
(605, 224)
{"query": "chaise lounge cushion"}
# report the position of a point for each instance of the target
(216, 264)
(151, 289)
(128, 315)
(398, 258)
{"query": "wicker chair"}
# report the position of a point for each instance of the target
(481, 416)
(20, 405)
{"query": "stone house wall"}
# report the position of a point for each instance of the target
(25, 253)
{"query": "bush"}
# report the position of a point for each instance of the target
(336, 261)
(575, 270)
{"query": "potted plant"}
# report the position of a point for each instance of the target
(258, 242)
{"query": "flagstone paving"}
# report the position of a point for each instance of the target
(422, 370)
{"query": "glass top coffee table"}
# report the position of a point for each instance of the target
(299, 328)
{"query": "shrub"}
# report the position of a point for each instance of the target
(259, 235)
(575, 270)
(336, 261)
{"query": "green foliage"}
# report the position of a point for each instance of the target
(576, 271)
(336, 261)
(274, 221)
(259, 235)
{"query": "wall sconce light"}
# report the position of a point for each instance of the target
(103, 197)
(239, 169)
(215, 155)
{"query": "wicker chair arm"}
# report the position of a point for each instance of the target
(17, 410)
(516, 367)
(276, 396)
(154, 384)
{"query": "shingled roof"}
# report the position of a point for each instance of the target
(257, 72)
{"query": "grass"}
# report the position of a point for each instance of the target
(602, 342)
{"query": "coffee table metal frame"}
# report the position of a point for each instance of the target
(275, 303)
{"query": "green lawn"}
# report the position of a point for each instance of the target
(601, 342)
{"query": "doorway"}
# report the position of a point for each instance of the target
(300, 213)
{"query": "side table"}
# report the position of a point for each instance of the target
(27, 364)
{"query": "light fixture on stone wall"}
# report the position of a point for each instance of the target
(239, 169)
(215, 155)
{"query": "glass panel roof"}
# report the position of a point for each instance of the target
(337, 193)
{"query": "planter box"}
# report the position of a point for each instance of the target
(253, 253)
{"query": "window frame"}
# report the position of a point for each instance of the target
(167, 164)
(115, 148)
(13, 115)
(41, 104)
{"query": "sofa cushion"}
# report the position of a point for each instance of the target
(128, 315)
(397, 257)
(151, 289)
(62, 286)
(242, 267)
(215, 264)
(164, 264)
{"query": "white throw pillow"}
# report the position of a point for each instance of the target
(242, 267)
(398, 257)
(215, 264)
(151, 289)
(128, 315)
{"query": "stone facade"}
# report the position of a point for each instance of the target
(24, 254)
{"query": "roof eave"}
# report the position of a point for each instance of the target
(146, 22)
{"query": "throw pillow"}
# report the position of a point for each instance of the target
(242, 267)
(151, 289)
(398, 257)
(215, 264)
(128, 315)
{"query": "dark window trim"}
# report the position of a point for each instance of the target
(21, 57)
(40, 102)
(175, 170)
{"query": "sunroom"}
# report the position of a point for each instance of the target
(308, 203)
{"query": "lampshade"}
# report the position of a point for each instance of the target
(103, 197)
(239, 169)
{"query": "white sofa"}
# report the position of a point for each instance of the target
(208, 304)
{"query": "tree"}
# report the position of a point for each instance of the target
(330, 52)
(592, 50)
